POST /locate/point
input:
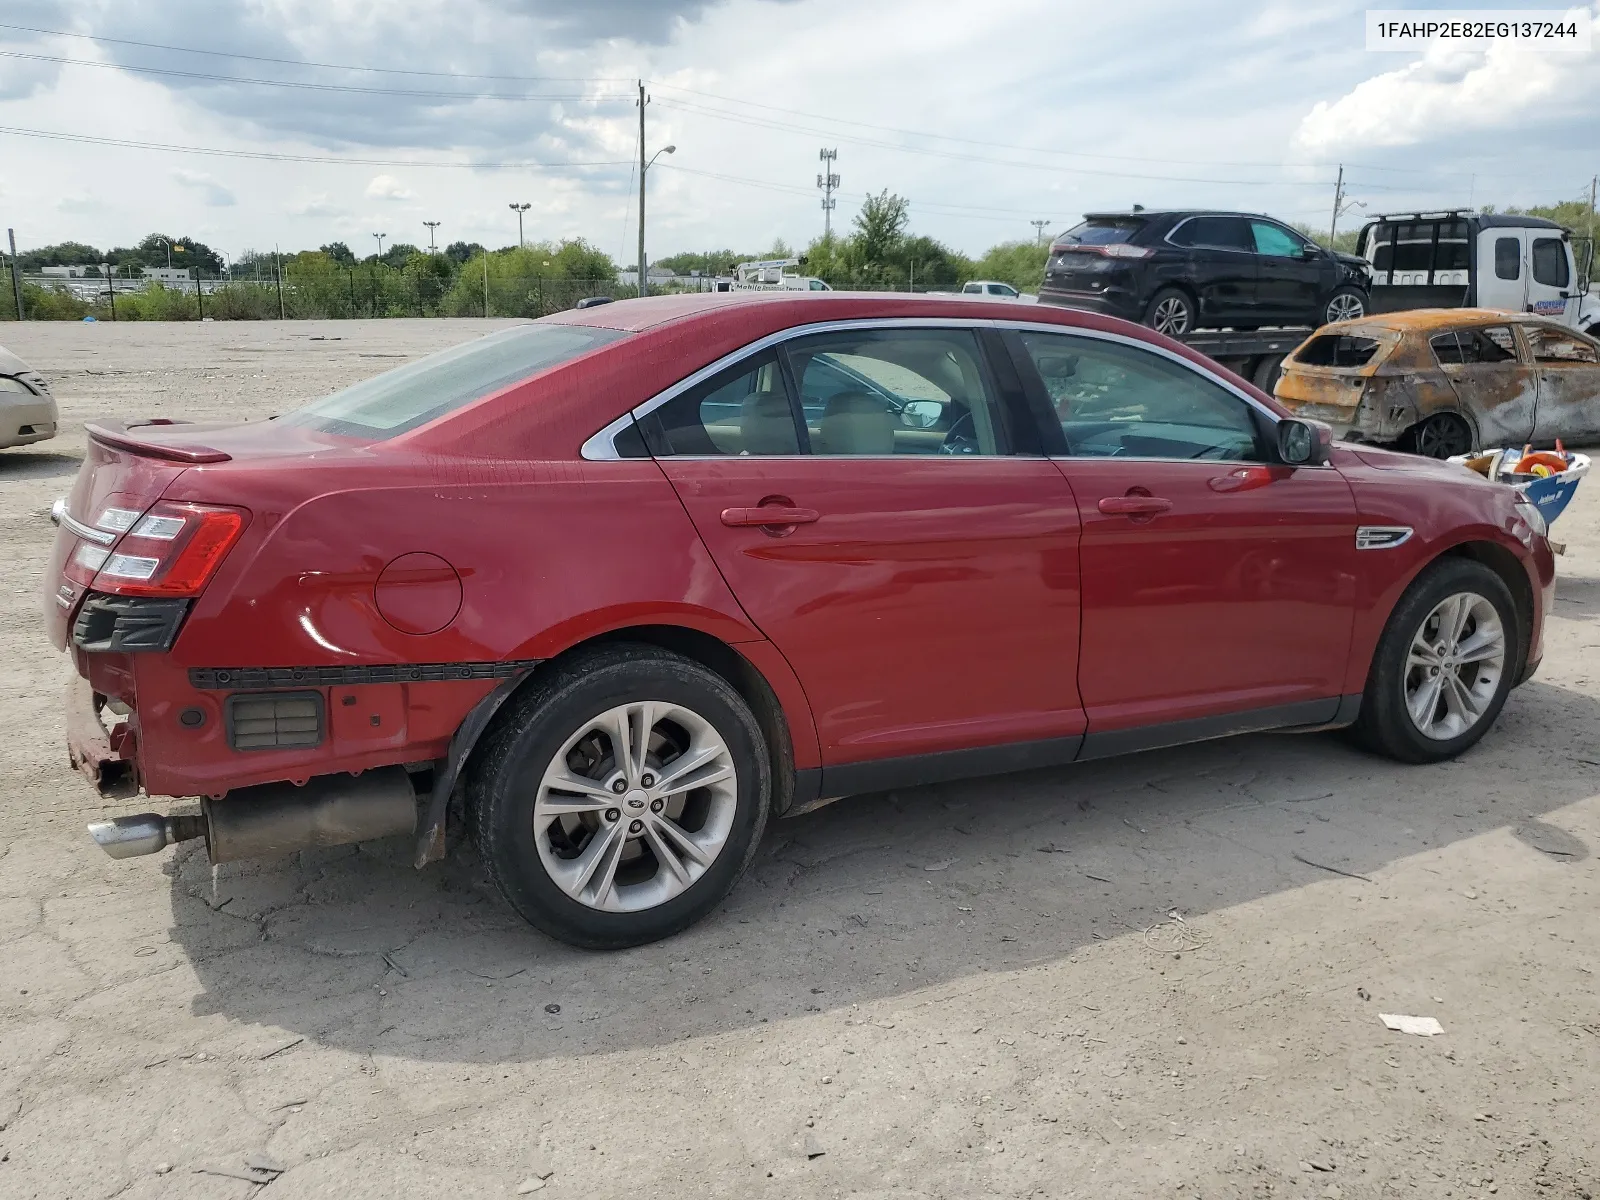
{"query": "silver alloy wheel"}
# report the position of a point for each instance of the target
(636, 806)
(1453, 668)
(1171, 316)
(1346, 308)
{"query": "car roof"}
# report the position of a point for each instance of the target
(1181, 212)
(1427, 320)
(637, 316)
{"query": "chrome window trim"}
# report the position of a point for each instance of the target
(601, 447)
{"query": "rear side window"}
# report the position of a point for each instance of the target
(1337, 350)
(1507, 258)
(1550, 262)
(1464, 347)
(402, 399)
(1101, 231)
(1214, 233)
(1447, 350)
(743, 410)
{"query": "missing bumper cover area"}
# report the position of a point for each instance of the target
(127, 624)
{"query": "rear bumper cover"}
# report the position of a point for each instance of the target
(106, 760)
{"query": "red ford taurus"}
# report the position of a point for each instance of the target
(626, 582)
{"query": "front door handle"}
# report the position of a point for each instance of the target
(1134, 506)
(768, 515)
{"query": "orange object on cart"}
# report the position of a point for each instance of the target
(1553, 462)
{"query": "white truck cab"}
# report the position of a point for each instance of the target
(1460, 258)
(770, 275)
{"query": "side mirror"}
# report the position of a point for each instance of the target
(1304, 443)
(921, 414)
(1309, 251)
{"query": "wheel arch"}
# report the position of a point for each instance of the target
(1407, 437)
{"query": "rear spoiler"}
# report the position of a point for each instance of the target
(118, 435)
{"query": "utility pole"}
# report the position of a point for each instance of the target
(111, 288)
(644, 285)
(16, 280)
(519, 209)
(1038, 229)
(1593, 180)
(827, 180)
(1338, 200)
(380, 237)
(432, 225)
(277, 271)
(199, 294)
(486, 281)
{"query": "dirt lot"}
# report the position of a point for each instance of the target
(1126, 979)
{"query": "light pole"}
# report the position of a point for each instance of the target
(1038, 229)
(432, 225)
(519, 209)
(644, 284)
(380, 237)
(168, 245)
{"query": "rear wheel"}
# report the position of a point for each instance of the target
(1267, 372)
(1346, 304)
(1443, 667)
(622, 797)
(1171, 312)
(1443, 435)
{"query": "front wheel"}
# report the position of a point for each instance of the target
(1346, 304)
(1443, 435)
(1444, 665)
(622, 797)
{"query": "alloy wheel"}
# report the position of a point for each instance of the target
(1345, 307)
(1453, 668)
(636, 806)
(1171, 317)
(1443, 436)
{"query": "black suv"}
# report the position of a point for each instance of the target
(1182, 271)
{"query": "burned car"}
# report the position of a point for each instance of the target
(1441, 382)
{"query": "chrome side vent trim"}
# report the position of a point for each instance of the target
(1382, 537)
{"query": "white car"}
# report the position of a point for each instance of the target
(993, 287)
(27, 409)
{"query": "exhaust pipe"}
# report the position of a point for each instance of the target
(147, 833)
(276, 819)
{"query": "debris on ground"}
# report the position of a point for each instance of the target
(942, 864)
(1421, 1026)
(813, 1147)
(1298, 857)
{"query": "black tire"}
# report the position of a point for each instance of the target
(1267, 372)
(502, 790)
(1345, 303)
(1171, 311)
(1443, 435)
(1385, 725)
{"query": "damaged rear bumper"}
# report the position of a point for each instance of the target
(107, 759)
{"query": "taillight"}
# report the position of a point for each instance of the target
(173, 550)
(1109, 250)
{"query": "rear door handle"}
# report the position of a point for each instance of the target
(1134, 506)
(768, 514)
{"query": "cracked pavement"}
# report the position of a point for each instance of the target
(1132, 978)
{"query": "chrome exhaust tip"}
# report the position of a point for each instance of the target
(146, 833)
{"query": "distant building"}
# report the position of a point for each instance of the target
(66, 272)
(167, 275)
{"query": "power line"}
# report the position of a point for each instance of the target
(295, 62)
(301, 84)
(269, 156)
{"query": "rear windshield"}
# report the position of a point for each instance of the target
(399, 400)
(1337, 350)
(1101, 231)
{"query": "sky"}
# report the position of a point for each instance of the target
(298, 122)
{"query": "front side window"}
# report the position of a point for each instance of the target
(743, 410)
(1275, 240)
(1116, 400)
(1507, 258)
(1560, 346)
(1447, 350)
(1550, 262)
(896, 391)
(402, 399)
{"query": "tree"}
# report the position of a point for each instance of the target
(717, 262)
(340, 253)
(880, 225)
(461, 252)
(62, 254)
(186, 252)
(1021, 264)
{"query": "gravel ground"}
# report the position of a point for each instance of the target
(1127, 979)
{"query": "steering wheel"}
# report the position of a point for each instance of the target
(962, 436)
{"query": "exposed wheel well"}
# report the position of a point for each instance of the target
(718, 656)
(1504, 564)
(1408, 439)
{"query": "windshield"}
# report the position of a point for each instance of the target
(1101, 231)
(399, 400)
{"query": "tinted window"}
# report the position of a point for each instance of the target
(743, 410)
(408, 396)
(1275, 240)
(1559, 345)
(1550, 262)
(1102, 231)
(1217, 233)
(1118, 400)
(882, 392)
(1507, 258)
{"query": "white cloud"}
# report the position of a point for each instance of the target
(387, 187)
(212, 193)
(317, 205)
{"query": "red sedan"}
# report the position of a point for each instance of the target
(627, 581)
